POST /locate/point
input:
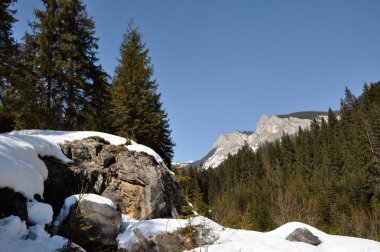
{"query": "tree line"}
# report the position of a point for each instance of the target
(327, 176)
(52, 79)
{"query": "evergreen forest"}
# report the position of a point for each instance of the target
(327, 176)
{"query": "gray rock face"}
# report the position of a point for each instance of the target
(135, 182)
(269, 128)
(92, 225)
(304, 235)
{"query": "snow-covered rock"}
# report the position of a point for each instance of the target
(269, 128)
(52, 165)
(21, 168)
(93, 221)
(71, 200)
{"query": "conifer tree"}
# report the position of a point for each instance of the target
(8, 55)
(45, 36)
(136, 110)
(29, 100)
(65, 67)
(76, 61)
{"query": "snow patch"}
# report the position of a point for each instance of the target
(15, 236)
(12, 228)
(39, 213)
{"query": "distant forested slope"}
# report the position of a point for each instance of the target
(327, 176)
(304, 114)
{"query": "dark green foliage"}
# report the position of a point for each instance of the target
(8, 65)
(304, 114)
(327, 176)
(136, 110)
(61, 86)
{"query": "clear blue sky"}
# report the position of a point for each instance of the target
(220, 65)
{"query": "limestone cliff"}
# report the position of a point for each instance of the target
(269, 128)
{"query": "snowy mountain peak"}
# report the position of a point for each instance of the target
(269, 128)
(231, 139)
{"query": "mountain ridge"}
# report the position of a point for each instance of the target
(269, 128)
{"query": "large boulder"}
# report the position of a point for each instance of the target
(134, 181)
(304, 235)
(92, 225)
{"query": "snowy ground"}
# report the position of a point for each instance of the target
(230, 240)
(23, 171)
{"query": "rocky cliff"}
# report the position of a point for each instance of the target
(268, 129)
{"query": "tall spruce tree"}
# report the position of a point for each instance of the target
(8, 59)
(65, 67)
(45, 38)
(29, 102)
(136, 110)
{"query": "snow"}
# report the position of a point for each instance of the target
(71, 200)
(243, 240)
(15, 236)
(12, 228)
(39, 213)
(230, 240)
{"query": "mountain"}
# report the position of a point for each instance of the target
(269, 128)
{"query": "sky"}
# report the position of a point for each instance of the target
(221, 65)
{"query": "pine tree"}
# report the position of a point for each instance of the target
(8, 59)
(29, 101)
(99, 94)
(72, 86)
(136, 110)
(45, 36)
(76, 61)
